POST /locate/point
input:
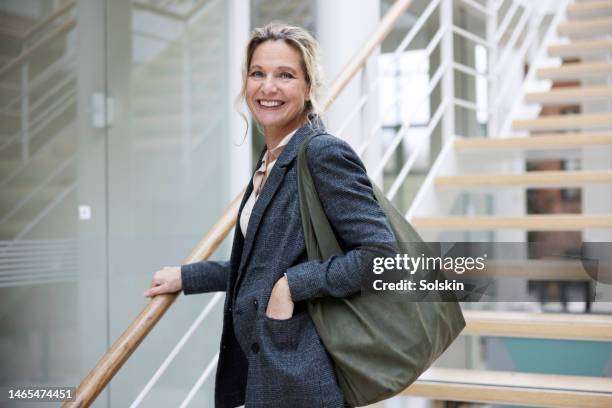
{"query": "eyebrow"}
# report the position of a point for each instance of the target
(281, 68)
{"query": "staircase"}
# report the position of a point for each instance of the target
(579, 94)
(566, 134)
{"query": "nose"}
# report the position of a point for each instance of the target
(269, 85)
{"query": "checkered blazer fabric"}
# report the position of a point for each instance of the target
(264, 362)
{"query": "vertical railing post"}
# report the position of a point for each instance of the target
(493, 86)
(369, 113)
(25, 111)
(511, 203)
(364, 123)
(532, 28)
(448, 80)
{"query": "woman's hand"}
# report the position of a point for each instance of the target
(166, 280)
(280, 305)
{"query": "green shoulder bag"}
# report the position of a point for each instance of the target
(380, 343)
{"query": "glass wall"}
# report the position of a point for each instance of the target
(113, 164)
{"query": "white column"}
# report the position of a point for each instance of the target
(343, 27)
(238, 30)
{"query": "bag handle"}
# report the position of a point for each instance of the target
(321, 242)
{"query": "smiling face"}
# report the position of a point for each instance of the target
(276, 88)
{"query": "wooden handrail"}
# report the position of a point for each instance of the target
(127, 343)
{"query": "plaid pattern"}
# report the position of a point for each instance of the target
(266, 362)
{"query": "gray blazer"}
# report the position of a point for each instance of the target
(264, 362)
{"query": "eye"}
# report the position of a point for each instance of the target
(286, 75)
(256, 74)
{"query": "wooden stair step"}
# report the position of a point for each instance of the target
(562, 326)
(530, 179)
(576, 71)
(535, 222)
(569, 95)
(585, 27)
(539, 142)
(565, 122)
(580, 48)
(589, 9)
(514, 388)
(533, 269)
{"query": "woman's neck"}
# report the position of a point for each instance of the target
(274, 136)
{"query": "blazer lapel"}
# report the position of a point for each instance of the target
(269, 189)
(249, 190)
(238, 243)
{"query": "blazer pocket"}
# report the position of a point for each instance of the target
(294, 359)
(284, 333)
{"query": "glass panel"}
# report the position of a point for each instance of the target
(112, 165)
(53, 268)
(168, 179)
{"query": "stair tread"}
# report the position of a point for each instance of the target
(536, 178)
(515, 388)
(575, 121)
(541, 222)
(560, 269)
(575, 70)
(580, 48)
(592, 8)
(539, 142)
(585, 27)
(539, 325)
(570, 94)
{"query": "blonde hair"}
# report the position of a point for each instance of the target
(300, 40)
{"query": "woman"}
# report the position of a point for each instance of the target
(270, 353)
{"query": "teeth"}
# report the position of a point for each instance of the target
(270, 104)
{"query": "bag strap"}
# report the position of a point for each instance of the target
(321, 242)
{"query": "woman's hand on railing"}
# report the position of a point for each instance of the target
(166, 280)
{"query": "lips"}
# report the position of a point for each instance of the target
(270, 103)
